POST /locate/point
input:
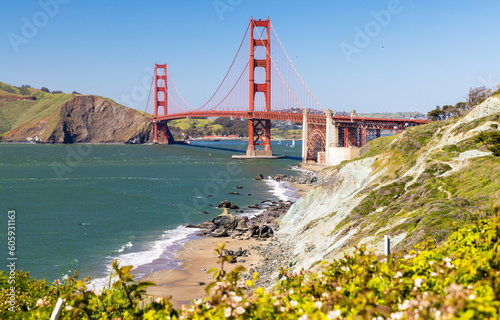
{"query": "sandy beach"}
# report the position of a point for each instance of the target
(198, 256)
(300, 189)
(185, 285)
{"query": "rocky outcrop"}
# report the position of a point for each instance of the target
(86, 119)
(262, 226)
(306, 177)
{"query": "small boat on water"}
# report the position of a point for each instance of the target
(293, 143)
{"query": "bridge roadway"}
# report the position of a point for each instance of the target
(294, 117)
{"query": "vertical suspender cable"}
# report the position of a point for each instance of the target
(295, 69)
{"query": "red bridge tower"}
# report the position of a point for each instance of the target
(161, 96)
(259, 130)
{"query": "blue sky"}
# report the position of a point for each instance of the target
(419, 55)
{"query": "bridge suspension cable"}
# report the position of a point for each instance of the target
(291, 94)
(150, 94)
(279, 73)
(227, 73)
(175, 87)
(290, 61)
(230, 91)
(299, 97)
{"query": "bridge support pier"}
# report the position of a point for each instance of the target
(259, 130)
(332, 135)
(305, 135)
(161, 130)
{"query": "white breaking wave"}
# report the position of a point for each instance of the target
(125, 246)
(281, 190)
(154, 251)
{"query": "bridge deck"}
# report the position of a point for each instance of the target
(286, 116)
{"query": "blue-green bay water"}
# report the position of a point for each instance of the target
(78, 207)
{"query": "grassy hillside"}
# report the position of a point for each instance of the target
(7, 90)
(16, 113)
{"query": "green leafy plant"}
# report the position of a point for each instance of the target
(459, 279)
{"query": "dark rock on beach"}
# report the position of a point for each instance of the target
(227, 221)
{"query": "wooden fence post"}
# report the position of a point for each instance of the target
(57, 309)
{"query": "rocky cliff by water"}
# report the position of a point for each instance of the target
(422, 183)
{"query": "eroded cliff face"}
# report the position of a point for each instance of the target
(86, 119)
(424, 182)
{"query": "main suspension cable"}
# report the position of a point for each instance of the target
(294, 68)
(175, 87)
(227, 73)
(272, 60)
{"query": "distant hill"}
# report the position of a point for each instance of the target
(28, 114)
(394, 115)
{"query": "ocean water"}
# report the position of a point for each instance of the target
(79, 207)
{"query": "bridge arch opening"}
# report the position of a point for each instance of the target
(315, 144)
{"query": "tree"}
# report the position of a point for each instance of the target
(475, 96)
(451, 111)
(74, 92)
(461, 106)
(44, 89)
(497, 90)
(191, 131)
(24, 91)
(436, 114)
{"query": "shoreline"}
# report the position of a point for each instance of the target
(197, 256)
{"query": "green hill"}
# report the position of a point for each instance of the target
(394, 115)
(29, 114)
(14, 113)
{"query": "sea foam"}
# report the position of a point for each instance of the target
(156, 256)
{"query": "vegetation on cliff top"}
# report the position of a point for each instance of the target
(15, 113)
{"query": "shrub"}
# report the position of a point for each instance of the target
(491, 140)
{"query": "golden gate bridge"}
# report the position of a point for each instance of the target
(262, 85)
